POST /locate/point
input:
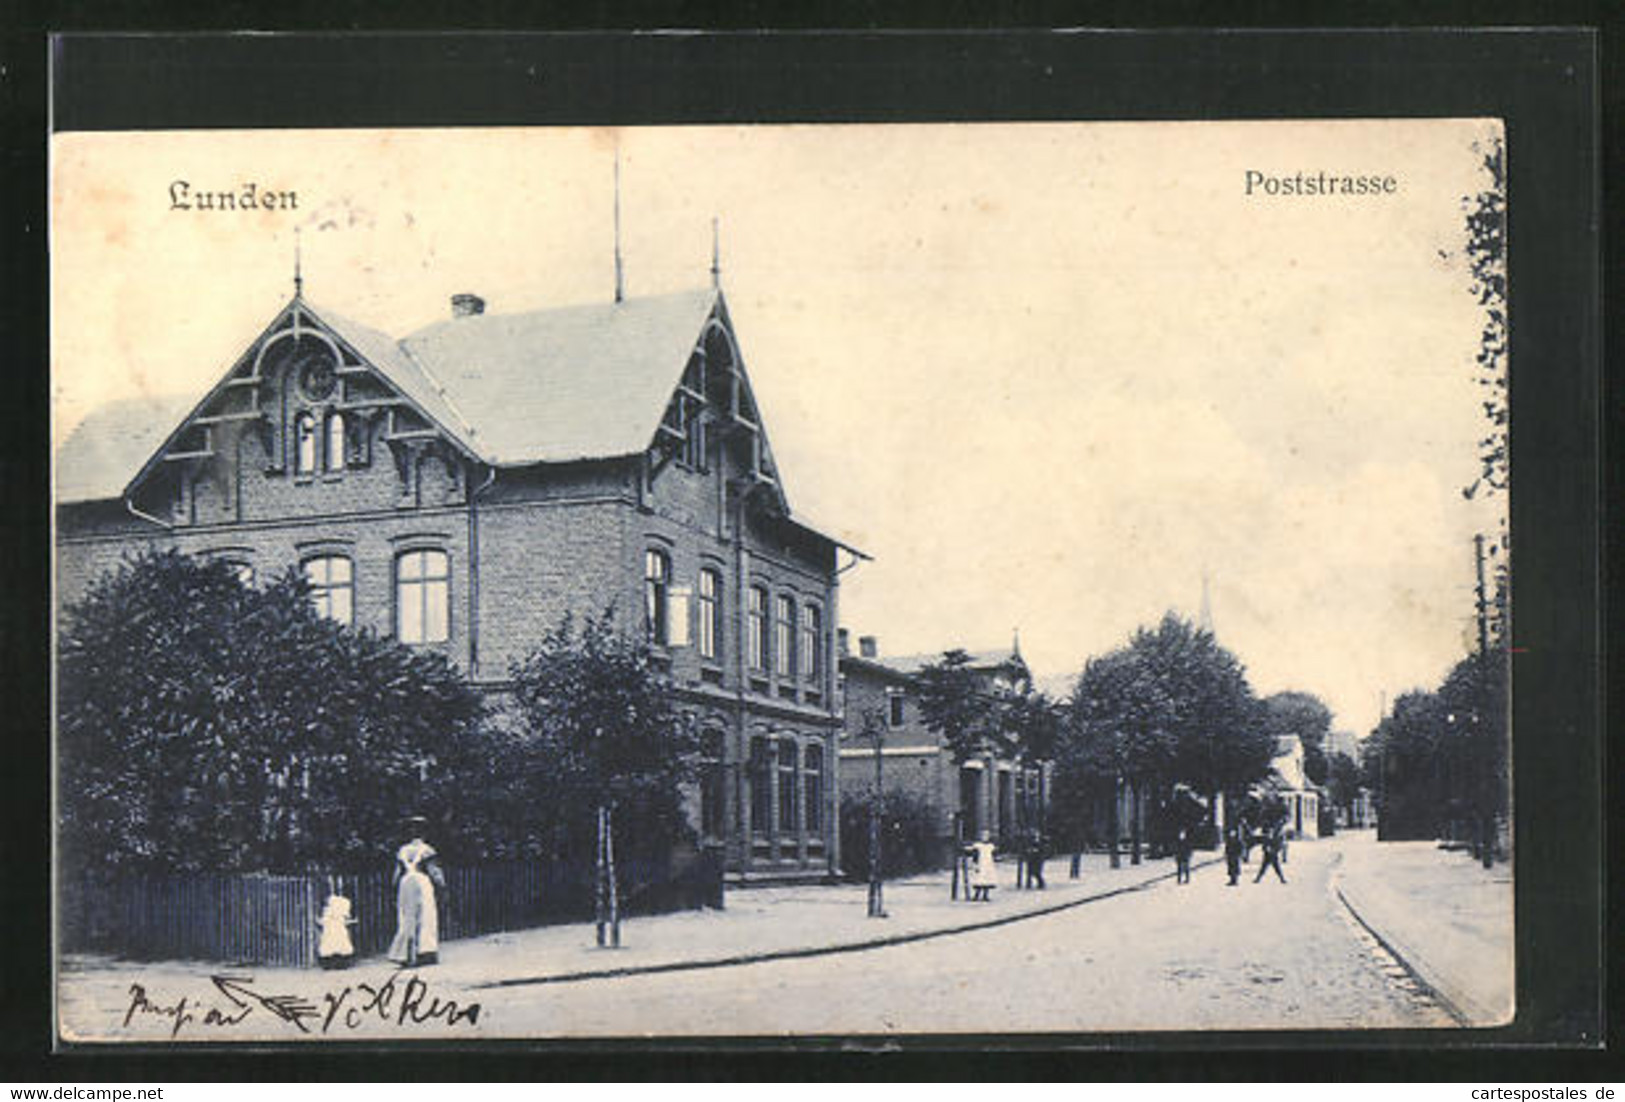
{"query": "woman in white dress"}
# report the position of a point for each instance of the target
(417, 930)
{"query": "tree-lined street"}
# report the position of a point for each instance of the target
(1164, 957)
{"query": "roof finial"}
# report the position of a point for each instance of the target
(620, 286)
(298, 275)
(716, 257)
(1015, 642)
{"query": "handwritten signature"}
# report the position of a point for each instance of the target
(391, 1002)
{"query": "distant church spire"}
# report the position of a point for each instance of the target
(716, 257)
(620, 284)
(1205, 617)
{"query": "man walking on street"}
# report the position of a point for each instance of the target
(1182, 856)
(1272, 855)
(1232, 854)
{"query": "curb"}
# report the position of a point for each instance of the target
(1428, 987)
(830, 950)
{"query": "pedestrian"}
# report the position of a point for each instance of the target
(1232, 854)
(1182, 856)
(1035, 858)
(983, 876)
(334, 949)
(417, 874)
(1272, 854)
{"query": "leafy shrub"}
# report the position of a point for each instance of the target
(909, 838)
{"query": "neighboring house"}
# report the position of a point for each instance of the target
(461, 489)
(1288, 780)
(986, 793)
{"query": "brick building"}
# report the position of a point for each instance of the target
(464, 487)
(986, 793)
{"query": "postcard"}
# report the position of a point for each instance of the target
(781, 581)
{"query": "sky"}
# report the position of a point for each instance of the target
(1047, 375)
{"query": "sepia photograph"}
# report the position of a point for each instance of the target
(781, 581)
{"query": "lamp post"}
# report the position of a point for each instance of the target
(877, 731)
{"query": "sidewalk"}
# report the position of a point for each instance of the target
(1449, 918)
(776, 923)
(757, 924)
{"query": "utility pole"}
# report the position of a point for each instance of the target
(1478, 590)
(877, 731)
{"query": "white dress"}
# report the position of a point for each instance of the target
(335, 940)
(982, 873)
(417, 929)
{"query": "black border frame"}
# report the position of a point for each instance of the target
(1544, 82)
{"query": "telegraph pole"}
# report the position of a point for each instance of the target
(1478, 590)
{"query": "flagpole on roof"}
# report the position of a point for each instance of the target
(620, 288)
(716, 257)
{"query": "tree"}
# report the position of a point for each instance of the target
(206, 725)
(1343, 780)
(1121, 723)
(600, 724)
(1220, 744)
(954, 705)
(1304, 716)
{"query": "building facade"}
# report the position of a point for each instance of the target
(465, 487)
(986, 793)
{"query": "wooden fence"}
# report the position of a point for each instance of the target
(262, 919)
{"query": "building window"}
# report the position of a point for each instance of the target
(757, 633)
(787, 786)
(713, 823)
(784, 635)
(304, 434)
(761, 787)
(335, 441)
(812, 781)
(242, 571)
(710, 626)
(422, 597)
(894, 708)
(812, 634)
(656, 596)
(332, 587)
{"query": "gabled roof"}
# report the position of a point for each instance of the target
(979, 660)
(579, 382)
(534, 385)
(107, 448)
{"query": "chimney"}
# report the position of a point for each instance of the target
(868, 646)
(466, 305)
(843, 642)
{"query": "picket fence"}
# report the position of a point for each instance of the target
(258, 918)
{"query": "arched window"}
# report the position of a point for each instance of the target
(761, 786)
(812, 780)
(656, 596)
(713, 823)
(304, 433)
(332, 586)
(710, 625)
(422, 597)
(789, 759)
(757, 633)
(784, 635)
(335, 441)
(812, 638)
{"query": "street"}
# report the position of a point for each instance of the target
(1158, 957)
(1202, 956)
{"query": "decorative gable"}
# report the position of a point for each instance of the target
(303, 401)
